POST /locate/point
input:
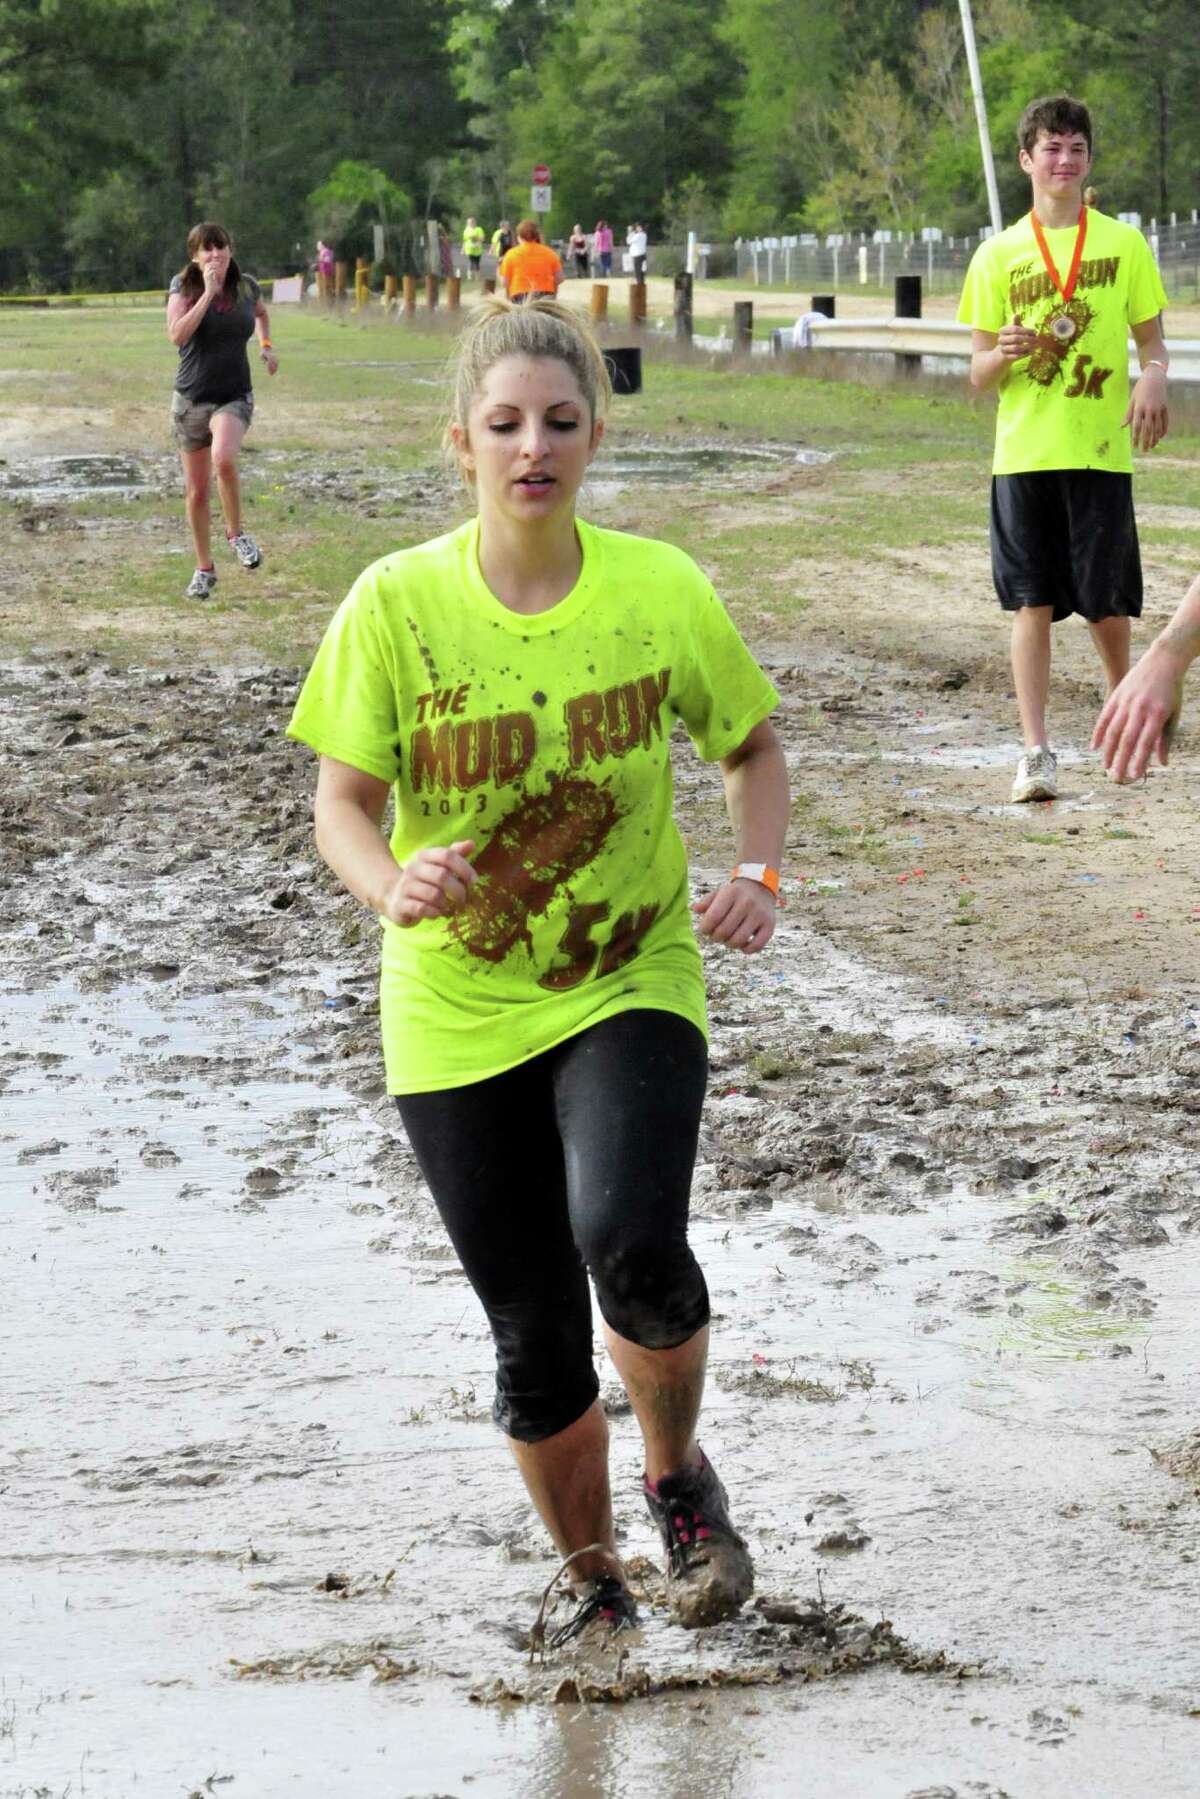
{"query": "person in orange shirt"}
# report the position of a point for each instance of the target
(530, 267)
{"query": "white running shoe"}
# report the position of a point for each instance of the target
(201, 584)
(1037, 776)
(245, 549)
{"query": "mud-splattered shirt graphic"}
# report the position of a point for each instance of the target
(1062, 407)
(545, 739)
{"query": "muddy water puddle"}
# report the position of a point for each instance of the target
(259, 1534)
(259, 1527)
(43, 479)
(620, 467)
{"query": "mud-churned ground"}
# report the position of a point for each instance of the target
(260, 1537)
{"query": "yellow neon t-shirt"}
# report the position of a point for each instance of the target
(545, 739)
(1063, 406)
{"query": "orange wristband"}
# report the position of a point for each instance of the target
(758, 871)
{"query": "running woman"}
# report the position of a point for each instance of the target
(213, 311)
(513, 686)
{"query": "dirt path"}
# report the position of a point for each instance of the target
(943, 1214)
(946, 1198)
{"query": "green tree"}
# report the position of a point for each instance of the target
(60, 63)
(355, 198)
(879, 131)
(496, 46)
(1154, 49)
(626, 102)
(791, 54)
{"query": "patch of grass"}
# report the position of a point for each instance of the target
(1161, 485)
(1118, 834)
(964, 913)
(764, 1383)
(860, 1375)
(356, 410)
(857, 842)
(773, 1065)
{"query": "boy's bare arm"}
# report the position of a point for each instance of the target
(994, 353)
(1147, 415)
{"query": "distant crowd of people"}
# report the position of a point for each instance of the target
(526, 264)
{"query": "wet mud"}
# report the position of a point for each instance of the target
(260, 1535)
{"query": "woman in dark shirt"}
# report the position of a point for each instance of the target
(213, 311)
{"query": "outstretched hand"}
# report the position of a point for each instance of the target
(432, 884)
(741, 915)
(1140, 715)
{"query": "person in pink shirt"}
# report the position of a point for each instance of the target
(602, 246)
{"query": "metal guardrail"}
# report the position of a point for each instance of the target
(945, 338)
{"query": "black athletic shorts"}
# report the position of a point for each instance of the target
(1066, 538)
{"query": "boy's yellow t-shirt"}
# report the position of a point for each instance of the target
(1063, 407)
(545, 739)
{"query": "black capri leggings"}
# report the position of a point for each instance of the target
(577, 1161)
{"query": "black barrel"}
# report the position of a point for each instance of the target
(625, 369)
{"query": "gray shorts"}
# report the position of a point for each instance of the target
(193, 423)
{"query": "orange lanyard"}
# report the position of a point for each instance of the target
(1068, 288)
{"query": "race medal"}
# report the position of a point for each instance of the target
(1064, 328)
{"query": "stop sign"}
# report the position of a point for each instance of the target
(541, 175)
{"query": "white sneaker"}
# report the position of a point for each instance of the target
(201, 584)
(245, 549)
(1037, 776)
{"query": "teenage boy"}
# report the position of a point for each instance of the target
(1051, 302)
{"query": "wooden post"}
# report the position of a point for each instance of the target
(826, 304)
(599, 303)
(683, 309)
(637, 302)
(431, 292)
(454, 292)
(389, 290)
(322, 288)
(339, 280)
(361, 278)
(408, 287)
(908, 306)
(743, 327)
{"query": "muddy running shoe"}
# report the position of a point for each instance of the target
(245, 549)
(602, 1601)
(709, 1572)
(201, 584)
(1037, 776)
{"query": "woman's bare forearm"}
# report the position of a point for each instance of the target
(353, 845)
(756, 793)
(183, 327)
(1182, 636)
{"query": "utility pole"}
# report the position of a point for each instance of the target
(985, 142)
